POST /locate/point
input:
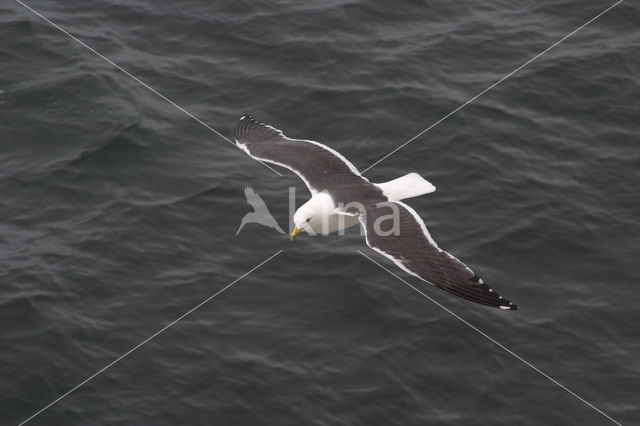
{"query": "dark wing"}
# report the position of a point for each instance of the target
(411, 247)
(319, 166)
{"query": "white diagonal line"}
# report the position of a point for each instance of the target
(127, 73)
(496, 342)
(149, 338)
(494, 84)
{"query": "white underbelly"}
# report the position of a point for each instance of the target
(335, 223)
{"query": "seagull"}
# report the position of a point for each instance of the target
(260, 213)
(342, 197)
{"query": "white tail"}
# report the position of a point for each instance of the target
(407, 186)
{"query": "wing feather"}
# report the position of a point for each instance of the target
(411, 248)
(319, 166)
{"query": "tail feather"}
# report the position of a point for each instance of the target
(407, 186)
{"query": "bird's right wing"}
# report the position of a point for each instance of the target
(410, 246)
(317, 165)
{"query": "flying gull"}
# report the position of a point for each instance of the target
(341, 197)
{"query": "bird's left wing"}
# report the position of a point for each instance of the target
(317, 165)
(409, 245)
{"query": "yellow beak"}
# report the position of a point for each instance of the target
(295, 233)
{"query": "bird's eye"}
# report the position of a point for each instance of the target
(308, 219)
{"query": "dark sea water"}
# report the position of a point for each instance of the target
(118, 213)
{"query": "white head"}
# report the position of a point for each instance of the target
(313, 216)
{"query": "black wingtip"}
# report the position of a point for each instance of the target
(248, 129)
(510, 307)
(503, 303)
(484, 294)
(243, 127)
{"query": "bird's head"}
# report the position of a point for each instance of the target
(313, 215)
